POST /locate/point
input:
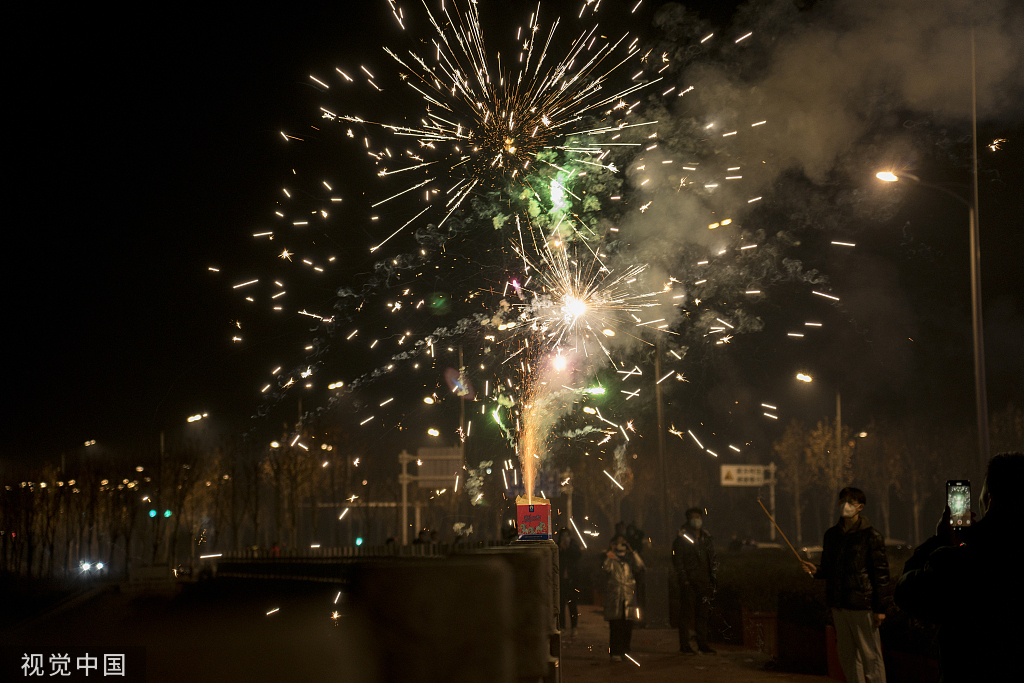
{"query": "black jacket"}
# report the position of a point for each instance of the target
(855, 568)
(695, 562)
(974, 592)
(569, 565)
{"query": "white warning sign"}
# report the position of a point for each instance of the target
(743, 475)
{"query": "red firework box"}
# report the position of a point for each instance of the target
(534, 517)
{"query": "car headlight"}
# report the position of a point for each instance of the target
(99, 565)
(86, 566)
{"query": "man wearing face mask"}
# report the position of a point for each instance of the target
(856, 573)
(971, 586)
(693, 558)
(621, 610)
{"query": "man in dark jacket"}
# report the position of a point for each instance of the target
(856, 573)
(971, 586)
(568, 578)
(693, 558)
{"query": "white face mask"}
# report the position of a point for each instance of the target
(848, 510)
(696, 522)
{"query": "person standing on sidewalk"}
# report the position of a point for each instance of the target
(856, 573)
(568, 580)
(621, 565)
(693, 558)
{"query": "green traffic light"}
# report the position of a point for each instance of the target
(152, 513)
(359, 541)
(167, 513)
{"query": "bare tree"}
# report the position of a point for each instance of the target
(792, 472)
(831, 468)
(879, 465)
(1006, 430)
(922, 465)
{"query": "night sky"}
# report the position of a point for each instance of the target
(148, 148)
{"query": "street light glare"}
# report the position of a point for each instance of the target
(803, 378)
(887, 176)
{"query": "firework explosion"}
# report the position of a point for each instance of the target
(577, 302)
(533, 150)
(483, 122)
(578, 298)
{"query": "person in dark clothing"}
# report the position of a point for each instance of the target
(971, 586)
(856, 573)
(569, 555)
(693, 558)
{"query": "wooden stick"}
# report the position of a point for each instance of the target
(780, 530)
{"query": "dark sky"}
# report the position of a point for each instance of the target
(148, 150)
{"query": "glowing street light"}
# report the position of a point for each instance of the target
(839, 427)
(980, 394)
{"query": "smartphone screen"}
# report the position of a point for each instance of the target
(958, 498)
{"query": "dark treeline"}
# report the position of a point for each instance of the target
(190, 499)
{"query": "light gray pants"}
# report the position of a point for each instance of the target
(859, 645)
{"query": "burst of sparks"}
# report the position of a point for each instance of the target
(487, 121)
(577, 299)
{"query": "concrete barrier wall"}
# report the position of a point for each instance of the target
(478, 612)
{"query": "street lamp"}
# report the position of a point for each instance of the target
(981, 399)
(839, 428)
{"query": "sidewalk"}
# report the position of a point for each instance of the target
(585, 658)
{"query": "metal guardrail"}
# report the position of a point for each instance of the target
(363, 551)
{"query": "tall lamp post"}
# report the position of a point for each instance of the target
(981, 400)
(838, 473)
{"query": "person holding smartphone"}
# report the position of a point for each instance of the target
(967, 577)
(856, 572)
(621, 609)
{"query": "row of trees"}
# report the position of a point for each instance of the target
(111, 510)
(899, 466)
(239, 494)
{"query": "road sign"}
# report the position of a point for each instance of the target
(437, 465)
(743, 475)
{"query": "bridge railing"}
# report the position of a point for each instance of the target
(366, 551)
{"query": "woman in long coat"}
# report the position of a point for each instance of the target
(621, 609)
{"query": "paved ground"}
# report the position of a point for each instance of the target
(585, 658)
(228, 633)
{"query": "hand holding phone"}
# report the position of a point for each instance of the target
(958, 498)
